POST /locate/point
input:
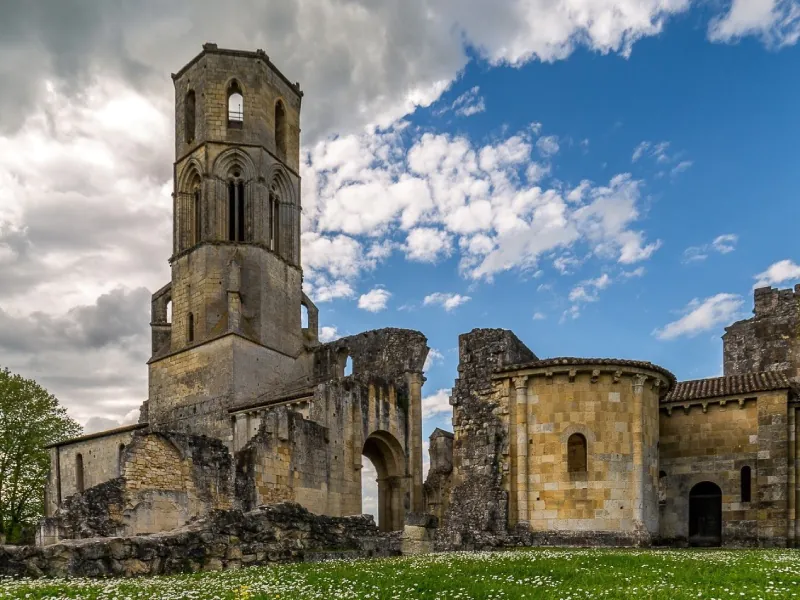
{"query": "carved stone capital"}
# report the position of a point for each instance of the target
(638, 383)
(595, 375)
(520, 382)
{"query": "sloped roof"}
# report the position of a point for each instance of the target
(568, 361)
(732, 385)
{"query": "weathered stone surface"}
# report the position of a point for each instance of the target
(222, 540)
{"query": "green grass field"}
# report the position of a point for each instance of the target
(569, 574)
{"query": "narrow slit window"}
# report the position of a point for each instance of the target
(274, 221)
(232, 211)
(576, 453)
(79, 482)
(280, 128)
(191, 327)
(240, 212)
(190, 108)
(746, 484)
(196, 216)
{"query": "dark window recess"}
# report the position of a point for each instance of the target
(191, 327)
(747, 480)
(576, 453)
(190, 117)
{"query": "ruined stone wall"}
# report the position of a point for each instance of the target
(770, 340)
(309, 450)
(100, 455)
(166, 479)
(222, 540)
(479, 498)
(712, 440)
(438, 483)
(615, 408)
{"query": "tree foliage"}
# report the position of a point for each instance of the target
(30, 419)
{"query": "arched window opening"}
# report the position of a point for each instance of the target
(169, 311)
(280, 128)
(120, 454)
(79, 483)
(235, 106)
(196, 232)
(236, 209)
(576, 453)
(189, 106)
(746, 484)
(348, 366)
(369, 490)
(274, 219)
(191, 327)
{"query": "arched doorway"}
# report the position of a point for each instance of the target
(705, 515)
(385, 453)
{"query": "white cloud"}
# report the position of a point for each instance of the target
(681, 167)
(537, 316)
(637, 272)
(702, 315)
(328, 334)
(723, 244)
(469, 103)
(375, 300)
(436, 404)
(547, 145)
(434, 357)
(779, 272)
(426, 244)
(447, 300)
(776, 22)
(587, 290)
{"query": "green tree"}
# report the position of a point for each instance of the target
(30, 419)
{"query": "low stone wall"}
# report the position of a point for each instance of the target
(222, 540)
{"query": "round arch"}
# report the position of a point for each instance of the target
(386, 454)
(705, 514)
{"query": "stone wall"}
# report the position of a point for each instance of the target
(222, 540)
(770, 340)
(713, 441)
(479, 500)
(439, 481)
(166, 479)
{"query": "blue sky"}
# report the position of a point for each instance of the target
(729, 116)
(605, 178)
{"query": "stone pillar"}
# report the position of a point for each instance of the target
(521, 428)
(637, 440)
(415, 440)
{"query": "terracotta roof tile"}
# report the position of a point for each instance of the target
(571, 360)
(732, 385)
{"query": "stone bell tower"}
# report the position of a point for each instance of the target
(235, 328)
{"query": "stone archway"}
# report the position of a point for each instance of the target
(705, 515)
(387, 456)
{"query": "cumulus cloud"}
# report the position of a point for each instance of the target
(702, 315)
(436, 404)
(547, 145)
(779, 272)
(447, 300)
(434, 357)
(375, 300)
(776, 22)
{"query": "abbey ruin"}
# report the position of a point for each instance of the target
(248, 411)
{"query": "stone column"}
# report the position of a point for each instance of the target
(415, 440)
(637, 440)
(521, 429)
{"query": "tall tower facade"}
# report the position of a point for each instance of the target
(236, 290)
